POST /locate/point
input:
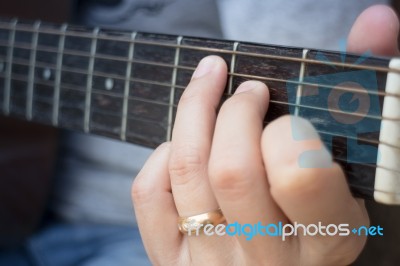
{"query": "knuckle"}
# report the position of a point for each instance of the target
(298, 182)
(340, 250)
(164, 145)
(305, 183)
(349, 249)
(185, 162)
(237, 102)
(189, 97)
(276, 127)
(141, 189)
(230, 178)
(140, 194)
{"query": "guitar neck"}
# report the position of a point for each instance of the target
(126, 85)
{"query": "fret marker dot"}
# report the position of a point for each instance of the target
(1, 66)
(46, 74)
(109, 84)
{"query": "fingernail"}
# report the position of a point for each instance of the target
(248, 85)
(205, 66)
(316, 159)
(302, 129)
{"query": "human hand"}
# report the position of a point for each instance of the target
(229, 161)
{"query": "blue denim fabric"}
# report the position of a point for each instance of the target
(80, 245)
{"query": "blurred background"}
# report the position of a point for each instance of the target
(27, 162)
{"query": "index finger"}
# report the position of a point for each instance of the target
(192, 137)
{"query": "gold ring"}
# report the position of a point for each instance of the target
(191, 224)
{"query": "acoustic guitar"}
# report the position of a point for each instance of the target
(126, 86)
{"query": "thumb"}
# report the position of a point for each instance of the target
(375, 29)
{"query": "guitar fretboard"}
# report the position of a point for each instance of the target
(127, 85)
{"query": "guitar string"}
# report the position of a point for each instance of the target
(119, 77)
(374, 166)
(182, 87)
(358, 187)
(321, 132)
(148, 101)
(293, 105)
(287, 58)
(190, 68)
(125, 38)
(136, 98)
(368, 189)
(181, 67)
(167, 65)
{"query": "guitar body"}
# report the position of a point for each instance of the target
(27, 157)
(27, 150)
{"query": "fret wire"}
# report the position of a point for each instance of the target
(57, 81)
(314, 85)
(89, 80)
(300, 84)
(31, 74)
(102, 74)
(332, 110)
(337, 159)
(232, 67)
(369, 141)
(126, 89)
(216, 50)
(337, 111)
(264, 124)
(172, 92)
(99, 92)
(374, 166)
(299, 92)
(7, 85)
(288, 104)
(42, 48)
(123, 59)
(284, 103)
(261, 78)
